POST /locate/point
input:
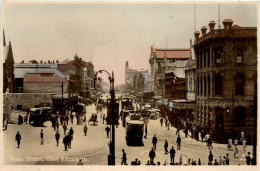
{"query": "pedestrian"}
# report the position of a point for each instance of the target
(199, 162)
(244, 143)
(154, 141)
(18, 138)
(57, 125)
(178, 131)
(227, 159)
(71, 118)
(161, 120)
(124, 158)
(186, 132)
(152, 156)
(248, 159)
(107, 130)
(220, 161)
(104, 117)
(85, 130)
(64, 128)
(67, 119)
(69, 139)
(80, 162)
(235, 152)
(65, 142)
(236, 141)
(216, 162)
(25, 119)
(210, 158)
(41, 135)
(57, 137)
(230, 144)
(71, 132)
(166, 147)
(210, 143)
(145, 130)
(224, 160)
(165, 122)
(178, 141)
(242, 136)
(110, 145)
(172, 155)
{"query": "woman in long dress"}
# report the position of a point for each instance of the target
(235, 152)
(244, 144)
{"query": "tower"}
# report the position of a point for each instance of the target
(8, 67)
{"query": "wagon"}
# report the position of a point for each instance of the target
(93, 119)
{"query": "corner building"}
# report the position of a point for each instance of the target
(226, 62)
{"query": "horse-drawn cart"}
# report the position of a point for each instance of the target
(93, 118)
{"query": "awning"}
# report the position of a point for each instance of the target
(157, 97)
(184, 104)
(164, 102)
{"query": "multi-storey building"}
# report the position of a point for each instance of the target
(226, 61)
(131, 77)
(163, 61)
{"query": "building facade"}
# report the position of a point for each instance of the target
(44, 83)
(132, 76)
(163, 61)
(226, 62)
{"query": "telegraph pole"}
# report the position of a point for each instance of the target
(113, 118)
(62, 92)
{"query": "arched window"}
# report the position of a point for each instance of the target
(217, 54)
(240, 55)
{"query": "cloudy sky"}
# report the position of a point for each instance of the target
(109, 34)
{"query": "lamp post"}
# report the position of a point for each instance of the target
(112, 113)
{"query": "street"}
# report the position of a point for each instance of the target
(93, 149)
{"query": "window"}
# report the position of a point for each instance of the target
(239, 56)
(239, 84)
(218, 84)
(217, 53)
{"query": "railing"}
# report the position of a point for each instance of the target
(248, 32)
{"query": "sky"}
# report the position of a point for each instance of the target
(109, 34)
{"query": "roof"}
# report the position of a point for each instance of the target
(135, 122)
(20, 72)
(39, 65)
(39, 78)
(171, 53)
(64, 62)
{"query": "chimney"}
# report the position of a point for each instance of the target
(196, 36)
(227, 24)
(41, 61)
(211, 26)
(203, 31)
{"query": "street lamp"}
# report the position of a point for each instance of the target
(112, 117)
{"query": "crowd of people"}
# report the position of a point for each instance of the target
(64, 120)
